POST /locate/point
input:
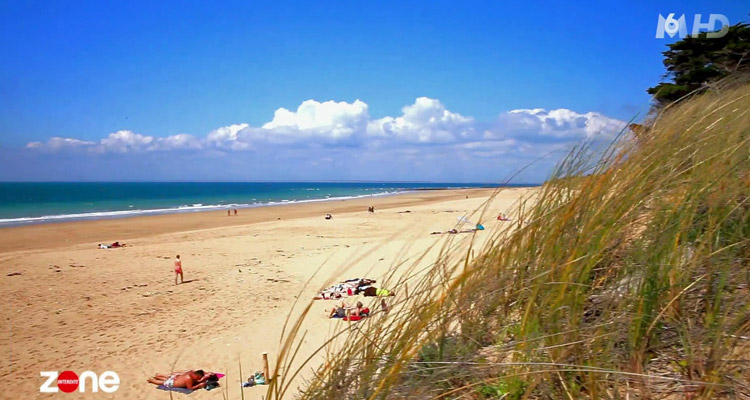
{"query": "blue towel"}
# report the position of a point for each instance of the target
(180, 390)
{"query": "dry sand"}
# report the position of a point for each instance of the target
(75, 307)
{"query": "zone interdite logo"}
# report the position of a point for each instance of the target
(672, 26)
(68, 382)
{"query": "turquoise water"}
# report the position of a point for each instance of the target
(25, 203)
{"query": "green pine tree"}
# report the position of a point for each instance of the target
(698, 60)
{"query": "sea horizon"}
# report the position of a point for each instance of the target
(24, 203)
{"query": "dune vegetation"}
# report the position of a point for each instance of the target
(626, 276)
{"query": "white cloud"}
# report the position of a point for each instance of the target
(125, 141)
(59, 143)
(177, 142)
(425, 121)
(340, 138)
(329, 121)
(226, 137)
(555, 125)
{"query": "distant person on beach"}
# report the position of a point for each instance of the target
(503, 217)
(178, 269)
(338, 312)
(235, 211)
(372, 291)
(111, 246)
(229, 213)
(359, 310)
(191, 380)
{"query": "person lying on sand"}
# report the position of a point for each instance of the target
(456, 231)
(338, 312)
(503, 217)
(347, 288)
(372, 291)
(111, 246)
(357, 311)
(192, 380)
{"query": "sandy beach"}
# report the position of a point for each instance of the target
(72, 306)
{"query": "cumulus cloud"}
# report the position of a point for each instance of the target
(555, 125)
(328, 121)
(425, 121)
(226, 137)
(125, 141)
(419, 140)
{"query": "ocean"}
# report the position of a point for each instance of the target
(29, 203)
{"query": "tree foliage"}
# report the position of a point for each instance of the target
(696, 61)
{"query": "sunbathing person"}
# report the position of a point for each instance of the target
(338, 312)
(360, 310)
(192, 380)
(372, 291)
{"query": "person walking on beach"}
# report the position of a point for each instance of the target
(178, 269)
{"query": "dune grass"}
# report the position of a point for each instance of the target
(627, 276)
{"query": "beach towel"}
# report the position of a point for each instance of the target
(179, 390)
(349, 287)
(365, 313)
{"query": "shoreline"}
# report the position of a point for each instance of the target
(121, 229)
(77, 216)
(120, 214)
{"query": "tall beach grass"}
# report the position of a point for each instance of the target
(625, 276)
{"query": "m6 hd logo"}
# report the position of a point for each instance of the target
(68, 382)
(677, 26)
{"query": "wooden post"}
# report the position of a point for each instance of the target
(265, 368)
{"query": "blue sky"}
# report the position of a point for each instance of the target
(437, 79)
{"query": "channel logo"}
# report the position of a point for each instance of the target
(89, 381)
(678, 26)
